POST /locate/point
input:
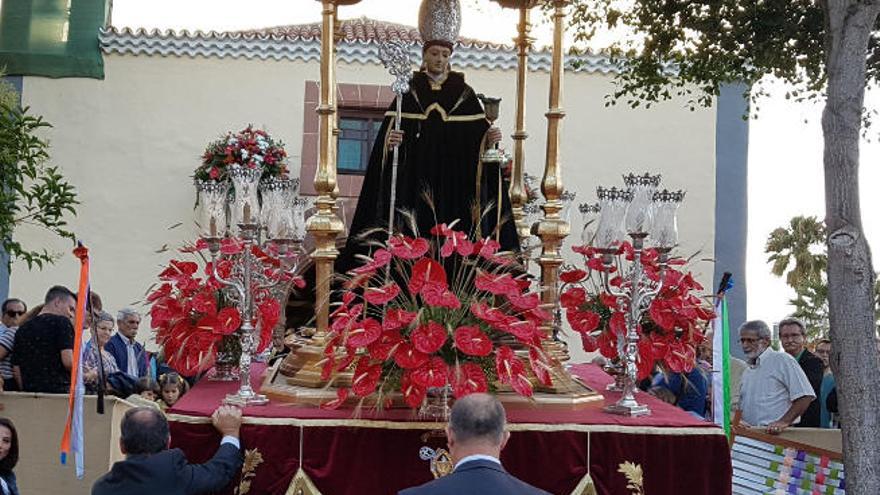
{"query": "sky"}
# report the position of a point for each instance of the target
(785, 140)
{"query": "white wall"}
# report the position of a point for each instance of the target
(130, 142)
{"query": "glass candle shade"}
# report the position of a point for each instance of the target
(277, 208)
(566, 199)
(665, 232)
(640, 214)
(590, 217)
(211, 212)
(613, 204)
(300, 205)
(246, 205)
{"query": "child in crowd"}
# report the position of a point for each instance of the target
(171, 388)
(149, 389)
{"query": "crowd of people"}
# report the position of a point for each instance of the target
(771, 389)
(36, 351)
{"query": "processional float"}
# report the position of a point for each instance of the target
(298, 377)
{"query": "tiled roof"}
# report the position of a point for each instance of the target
(359, 44)
(364, 30)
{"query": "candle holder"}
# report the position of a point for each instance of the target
(249, 283)
(492, 108)
(647, 219)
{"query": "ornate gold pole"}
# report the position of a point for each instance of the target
(523, 44)
(552, 229)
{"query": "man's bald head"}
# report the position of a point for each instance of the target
(478, 418)
(144, 430)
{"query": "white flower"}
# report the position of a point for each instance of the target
(244, 154)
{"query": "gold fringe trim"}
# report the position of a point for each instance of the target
(421, 425)
(436, 107)
(585, 487)
(301, 484)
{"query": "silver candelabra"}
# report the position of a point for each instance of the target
(256, 208)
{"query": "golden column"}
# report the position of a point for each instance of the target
(523, 45)
(552, 229)
(324, 225)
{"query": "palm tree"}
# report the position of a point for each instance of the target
(802, 243)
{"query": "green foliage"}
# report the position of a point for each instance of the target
(669, 48)
(33, 192)
(799, 253)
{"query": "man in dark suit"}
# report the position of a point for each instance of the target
(476, 436)
(151, 468)
(793, 336)
(129, 354)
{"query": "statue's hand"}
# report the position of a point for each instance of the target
(394, 139)
(493, 135)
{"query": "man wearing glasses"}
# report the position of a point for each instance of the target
(775, 391)
(793, 336)
(12, 312)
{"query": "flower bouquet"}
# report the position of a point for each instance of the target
(249, 148)
(194, 317)
(669, 331)
(435, 313)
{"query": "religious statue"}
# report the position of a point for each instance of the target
(443, 133)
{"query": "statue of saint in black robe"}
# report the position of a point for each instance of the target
(444, 127)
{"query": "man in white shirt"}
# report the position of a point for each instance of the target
(775, 391)
(476, 435)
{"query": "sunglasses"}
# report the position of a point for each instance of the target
(14, 314)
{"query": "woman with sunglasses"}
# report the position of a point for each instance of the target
(13, 312)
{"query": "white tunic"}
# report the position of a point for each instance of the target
(770, 386)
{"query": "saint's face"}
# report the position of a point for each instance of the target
(436, 59)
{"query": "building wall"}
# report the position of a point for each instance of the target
(130, 142)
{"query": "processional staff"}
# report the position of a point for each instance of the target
(395, 57)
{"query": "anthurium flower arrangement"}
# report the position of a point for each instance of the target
(192, 312)
(669, 331)
(452, 313)
(249, 148)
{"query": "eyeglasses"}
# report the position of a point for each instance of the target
(748, 340)
(13, 313)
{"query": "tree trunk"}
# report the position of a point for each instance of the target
(855, 360)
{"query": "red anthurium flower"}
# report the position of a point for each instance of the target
(432, 373)
(364, 333)
(617, 323)
(436, 295)
(413, 393)
(573, 298)
(583, 321)
(387, 344)
(539, 363)
(178, 270)
(408, 357)
(456, 242)
(366, 377)
(408, 248)
(346, 360)
(381, 295)
(597, 265)
(162, 291)
(426, 271)
(429, 337)
(572, 276)
(231, 245)
(538, 315)
(524, 330)
(228, 321)
(524, 302)
(207, 324)
(507, 364)
(467, 379)
(396, 319)
(341, 397)
(204, 302)
(380, 258)
(500, 284)
(472, 341)
(644, 360)
(441, 229)
(662, 314)
(492, 316)
(270, 312)
(487, 248)
(588, 251)
(608, 301)
(607, 344)
(589, 343)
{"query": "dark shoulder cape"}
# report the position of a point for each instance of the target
(437, 175)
